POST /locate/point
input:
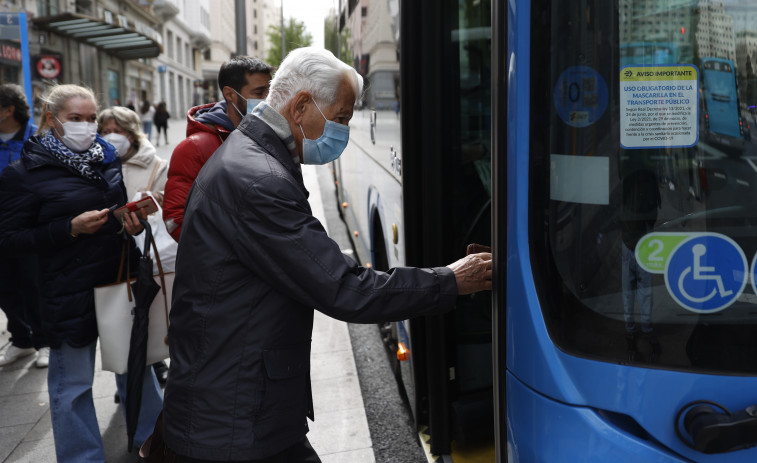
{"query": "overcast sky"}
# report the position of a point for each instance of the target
(311, 12)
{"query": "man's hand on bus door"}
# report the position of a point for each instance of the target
(473, 273)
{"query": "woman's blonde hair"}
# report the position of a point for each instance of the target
(126, 119)
(57, 97)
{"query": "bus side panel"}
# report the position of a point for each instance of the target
(554, 399)
(544, 430)
(365, 161)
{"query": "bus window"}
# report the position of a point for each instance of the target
(644, 179)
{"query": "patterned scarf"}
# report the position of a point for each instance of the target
(79, 163)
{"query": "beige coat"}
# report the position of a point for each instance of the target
(138, 169)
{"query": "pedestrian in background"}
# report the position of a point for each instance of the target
(243, 81)
(161, 121)
(18, 274)
(253, 265)
(146, 115)
(143, 170)
(54, 202)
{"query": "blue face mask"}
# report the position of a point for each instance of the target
(328, 146)
(251, 103)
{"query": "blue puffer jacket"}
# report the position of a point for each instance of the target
(11, 150)
(38, 198)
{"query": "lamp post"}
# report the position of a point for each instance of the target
(283, 33)
(338, 30)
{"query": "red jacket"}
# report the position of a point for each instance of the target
(207, 127)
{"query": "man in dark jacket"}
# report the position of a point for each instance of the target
(253, 265)
(18, 274)
(244, 81)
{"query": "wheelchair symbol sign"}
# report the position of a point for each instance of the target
(706, 273)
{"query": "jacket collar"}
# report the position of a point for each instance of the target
(255, 128)
(144, 156)
(195, 126)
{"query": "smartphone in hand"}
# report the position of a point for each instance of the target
(147, 204)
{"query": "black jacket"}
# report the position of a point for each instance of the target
(38, 198)
(253, 263)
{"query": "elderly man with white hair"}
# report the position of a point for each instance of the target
(253, 264)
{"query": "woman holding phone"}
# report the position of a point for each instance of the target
(142, 169)
(54, 203)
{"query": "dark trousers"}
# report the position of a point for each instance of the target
(164, 129)
(301, 452)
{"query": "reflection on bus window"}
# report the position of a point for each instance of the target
(655, 191)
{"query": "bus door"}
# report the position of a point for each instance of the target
(446, 129)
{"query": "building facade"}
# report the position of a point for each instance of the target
(107, 45)
(185, 31)
(374, 46)
(127, 51)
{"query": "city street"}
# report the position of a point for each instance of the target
(340, 433)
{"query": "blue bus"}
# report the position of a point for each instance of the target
(720, 104)
(621, 326)
(652, 53)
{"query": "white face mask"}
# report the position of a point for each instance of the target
(119, 142)
(78, 136)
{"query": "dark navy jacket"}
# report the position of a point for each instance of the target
(18, 274)
(252, 266)
(38, 198)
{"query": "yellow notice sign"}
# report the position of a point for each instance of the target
(658, 73)
(659, 106)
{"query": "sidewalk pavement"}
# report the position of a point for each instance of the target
(339, 434)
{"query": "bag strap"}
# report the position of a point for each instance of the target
(161, 273)
(158, 163)
(162, 284)
(124, 256)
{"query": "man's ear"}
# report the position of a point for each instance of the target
(297, 107)
(228, 93)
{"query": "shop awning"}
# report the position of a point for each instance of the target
(118, 39)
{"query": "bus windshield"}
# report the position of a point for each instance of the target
(643, 159)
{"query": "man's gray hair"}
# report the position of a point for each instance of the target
(313, 70)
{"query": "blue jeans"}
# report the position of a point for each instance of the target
(147, 128)
(72, 409)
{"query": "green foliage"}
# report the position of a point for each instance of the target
(331, 43)
(295, 36)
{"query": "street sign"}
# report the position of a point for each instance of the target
(9, 26)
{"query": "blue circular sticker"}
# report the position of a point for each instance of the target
(706, 273)
(580, 96)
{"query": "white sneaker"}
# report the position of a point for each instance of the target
(13, 353)
(43, 357)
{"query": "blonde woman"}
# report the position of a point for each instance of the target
(142, 169)
(54, 202)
